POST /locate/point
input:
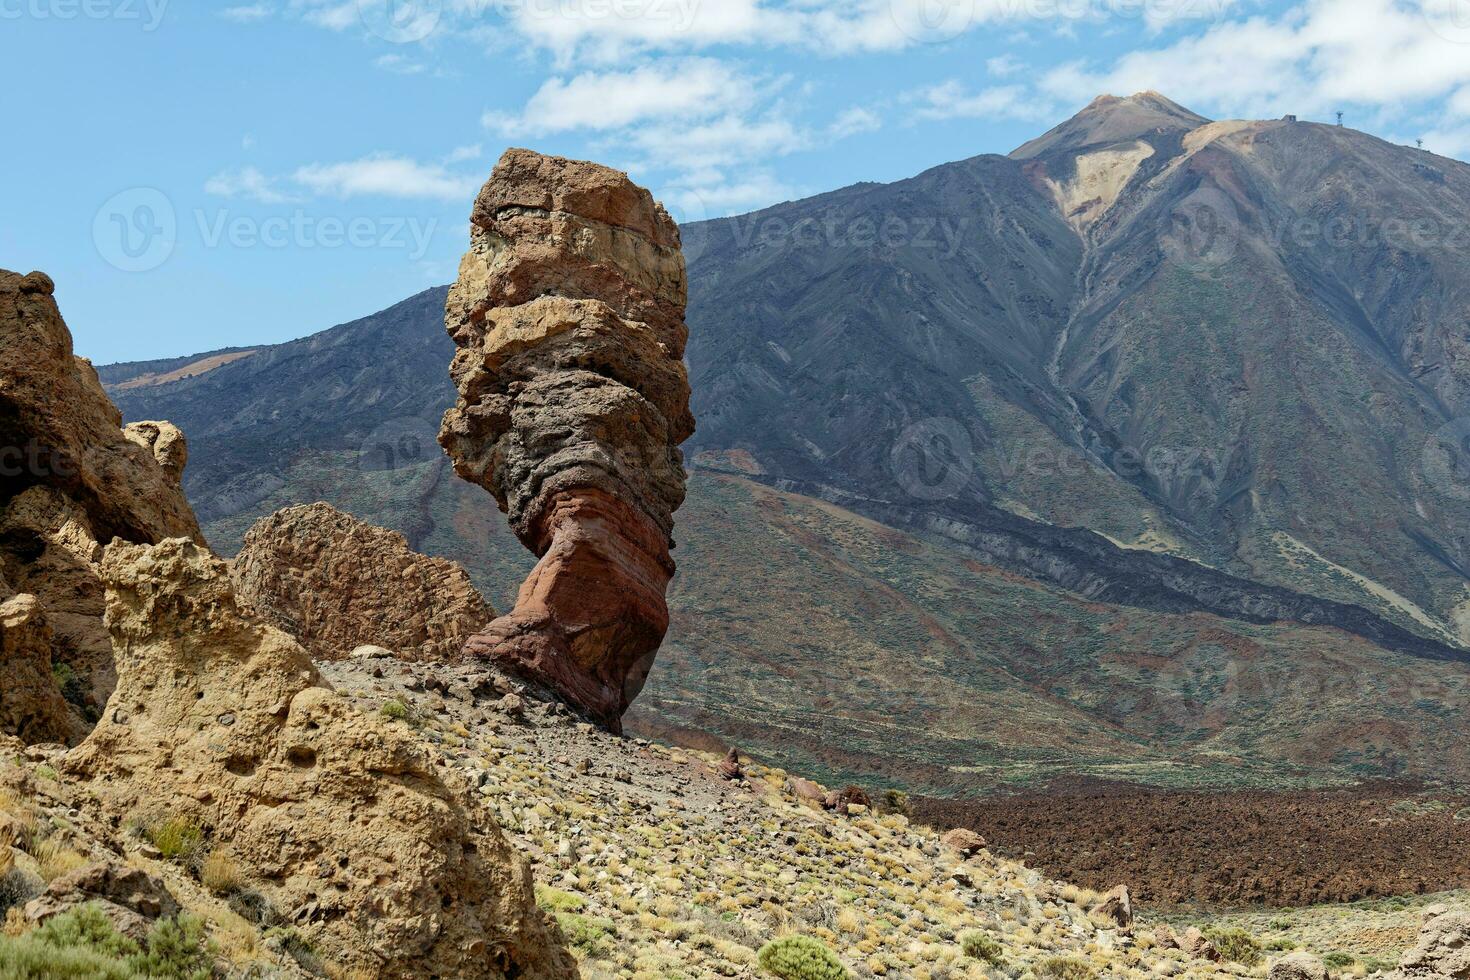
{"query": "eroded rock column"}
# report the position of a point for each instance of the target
(569, 318)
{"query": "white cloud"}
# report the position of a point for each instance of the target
(1317, 57)
(1452, 142)
(703, 127)
(951, 100)
(399, 65)
(386, 176)
(248, 14)
(334, 15)
(608, 31)
(462, 153)
(853, 121)
(714, 195)
(1161, 14)
(1004, 66)
(246, 182)
(716, 144)
(685, 88)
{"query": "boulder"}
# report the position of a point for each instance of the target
(1443, 949)
(337, 583)
(1297, 966)
(806, 790)
(967, 842)
(167, 444)
(1117, 908)
(131, 899)
(31, 704)
(1197, 947)
(568, 316)
(840, 800)
(71, 477)
(343, 822)
(730, 766)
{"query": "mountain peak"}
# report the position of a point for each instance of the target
(1110, 119)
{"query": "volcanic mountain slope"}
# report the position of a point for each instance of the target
(946, 356)
(807, 633)
(1222, 340)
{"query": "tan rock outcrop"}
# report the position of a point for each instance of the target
(166, 442)
(1443, 949)
(61, 430)
(130, 898)
(342, 821)
(1197, 946)
(31, 705)
(1117, 908)
(1297, 966)
(967, 842)
(71, 477)
(337, 583)
(569, 318)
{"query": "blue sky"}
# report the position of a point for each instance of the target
(204, 175)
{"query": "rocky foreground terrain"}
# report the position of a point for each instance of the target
(656, 865)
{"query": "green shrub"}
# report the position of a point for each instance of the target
(553, 900)
(1236, 945)
(894, 801)
(1280, 944)
(394, 710)
(178, 840)
(1064, 968)
(1337, 960)
(982, 946)
(83, 945)
(16, 888)
(801, 958)
(176, 950)
(589, 936)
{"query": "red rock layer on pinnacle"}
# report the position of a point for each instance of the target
(569, 318)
